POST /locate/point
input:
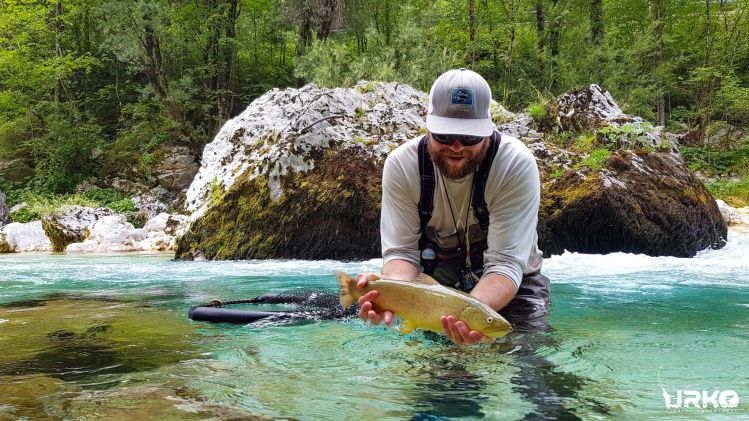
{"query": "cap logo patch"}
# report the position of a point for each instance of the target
(462, 96)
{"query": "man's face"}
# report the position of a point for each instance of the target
(456, 160)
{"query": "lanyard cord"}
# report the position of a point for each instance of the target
(465, 226)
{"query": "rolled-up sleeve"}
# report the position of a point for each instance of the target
(399, 220)
(513, 218)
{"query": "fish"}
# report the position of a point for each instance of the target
(421, 302)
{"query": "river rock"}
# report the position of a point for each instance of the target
(297, 174)
(19, 237)
(155, 201)
(110, 233)
(69, 224)
(730, 214)
(639, 202)
(16, 170)
(176, 167)
(162, 231)
(592, 108)
(4, 212)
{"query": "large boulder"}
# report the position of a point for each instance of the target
(176, 167)
(19, 237)
(639, 202)
(297, 174)
(4, 212)
(637, 196)
(69, 224)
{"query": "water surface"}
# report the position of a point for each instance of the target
(107, 337)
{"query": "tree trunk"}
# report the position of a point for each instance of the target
(59, 53)
(708, 33)
(660, 106)
(596, 21)
(154, 61)
(554, 45)
(325, 14)
(388, 22)
(540, 25)
(472, 20)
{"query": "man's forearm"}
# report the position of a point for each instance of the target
(399, 269)
(495, 290)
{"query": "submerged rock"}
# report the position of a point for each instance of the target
(19, 237)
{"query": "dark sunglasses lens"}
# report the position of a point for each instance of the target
(447, 139)
(470, 140)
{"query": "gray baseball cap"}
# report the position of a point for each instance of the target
(459, 104)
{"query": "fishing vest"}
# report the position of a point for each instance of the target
(428, 184)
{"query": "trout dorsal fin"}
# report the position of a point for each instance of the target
(425, 279)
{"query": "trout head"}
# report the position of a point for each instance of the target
(486, 321)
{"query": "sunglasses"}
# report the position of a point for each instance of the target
(448, 139)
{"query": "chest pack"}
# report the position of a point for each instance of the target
(428, 184)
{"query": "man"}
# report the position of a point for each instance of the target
(461, 204)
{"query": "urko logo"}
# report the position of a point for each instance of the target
(699, 399)
(726, 399)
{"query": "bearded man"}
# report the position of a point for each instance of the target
(461, 204)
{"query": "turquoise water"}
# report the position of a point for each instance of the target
(107, 337)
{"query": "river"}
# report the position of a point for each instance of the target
(106, 336)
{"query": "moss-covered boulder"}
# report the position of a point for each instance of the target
(69, 224)
(297, 175)
(639, 202)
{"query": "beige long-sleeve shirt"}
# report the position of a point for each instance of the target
(512, 196)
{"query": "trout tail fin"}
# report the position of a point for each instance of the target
(345, 285)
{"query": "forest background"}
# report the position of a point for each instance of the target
(93, 90)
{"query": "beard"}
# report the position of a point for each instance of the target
(441, 159)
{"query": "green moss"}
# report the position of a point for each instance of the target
(595, 161)
(216, 191)
(329, 212)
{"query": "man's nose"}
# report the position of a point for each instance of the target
(456, 146)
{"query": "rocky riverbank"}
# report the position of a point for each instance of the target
(297, 175)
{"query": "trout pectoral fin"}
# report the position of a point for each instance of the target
(407, 327)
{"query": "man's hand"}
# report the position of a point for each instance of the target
(458, 332)
(365, 301)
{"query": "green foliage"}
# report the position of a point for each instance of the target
(718, 162)
(40, 205)
(537, 111)
(733, 192)
(595, 160)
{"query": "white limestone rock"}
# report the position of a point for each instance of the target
(110, 233)
(69, 224)
(19, 237)
(281, 131)
(730, 214)
(592, 108)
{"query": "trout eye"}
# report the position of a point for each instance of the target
(490, 320)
